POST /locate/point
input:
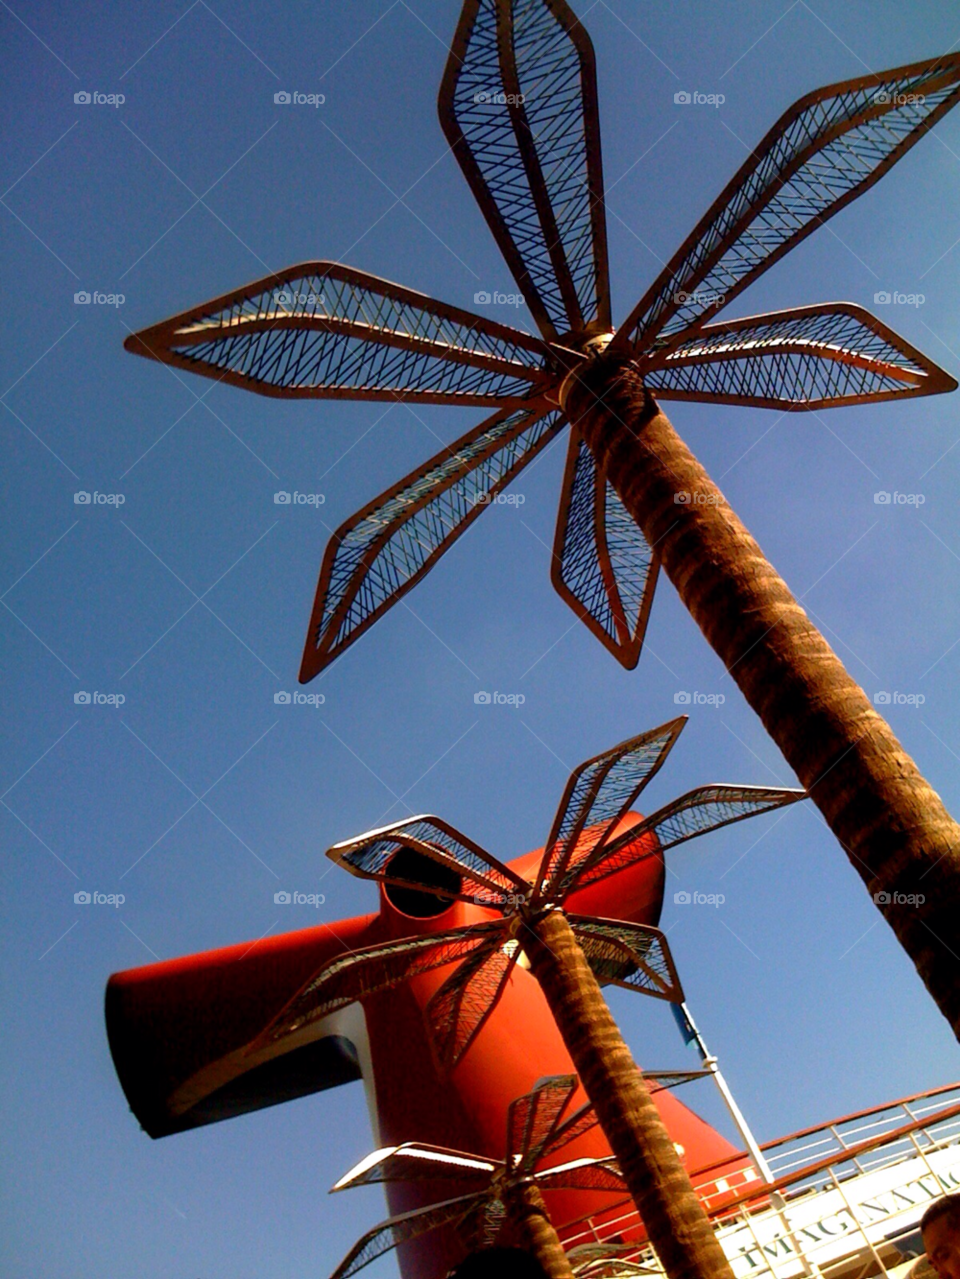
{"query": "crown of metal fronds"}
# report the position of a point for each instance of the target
(518, 105)
(537, 1131)
(593, 836)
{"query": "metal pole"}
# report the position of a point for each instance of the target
(692, 1035)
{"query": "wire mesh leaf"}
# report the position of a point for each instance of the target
(472, 874)
(364, 973)
(384, 550)
(323, 330)
(814, 357)
(584, 1174)
(674, 1078)
(704, 809)
(532, 1120)
(599, 793)
(460, 1008)
(414, 1162)
(635, 956)
(602, 564)
(401, 1229)
(580, 1122)
(518, 105)
(827, 149)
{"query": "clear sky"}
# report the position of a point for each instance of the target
(198, 797)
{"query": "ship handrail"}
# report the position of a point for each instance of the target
(741, 1202)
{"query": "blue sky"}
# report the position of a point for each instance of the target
(198, 183)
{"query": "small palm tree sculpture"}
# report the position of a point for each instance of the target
(496, 1194)
(518, 104)
(568, 955)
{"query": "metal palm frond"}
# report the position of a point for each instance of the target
(601, 791)
(401, 1229)
(322, 330)
(536, 1131)
(518, 105)
(592, 836)
(602, 565)
(704, 809)
(827, 149)
(532, 1120)
(360, 974)
(814, 357)
(380, 553)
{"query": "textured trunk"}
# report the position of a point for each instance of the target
(534, 1231)
(890, 822)
(672, 1214)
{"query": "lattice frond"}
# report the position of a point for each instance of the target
(401, 1229)
(535, 1130)
(414, 1162)
(580, 1122)
(363, 973)
(584, 1174)
(598, 794)
(674, 1078)
(827, 149)
(602, 565)
(635, 956)
(518, 106)
(814, 357)
(472, 874)
(326, 331)
(704, 809)
(386, 548)
(533, 1120)
(461, 1007)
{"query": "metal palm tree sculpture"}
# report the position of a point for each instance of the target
(569, 955)
(518, 104)
(493, 1193)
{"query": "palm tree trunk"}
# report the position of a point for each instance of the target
(534, 1232)
(674, 1218)
(890, 822)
